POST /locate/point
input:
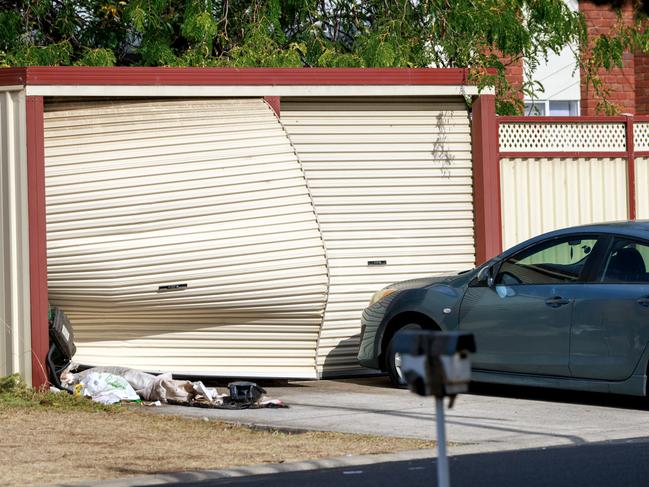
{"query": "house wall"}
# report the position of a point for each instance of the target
(628, 85)
(601, 19)
(15, 335)
(641, 65)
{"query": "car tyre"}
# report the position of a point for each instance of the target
(393, 360)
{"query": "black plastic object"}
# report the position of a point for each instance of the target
(62, 335)
(245, 392)
(62, 347)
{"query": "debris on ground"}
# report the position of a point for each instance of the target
(113, 384)
(109, 385)
(107, 388)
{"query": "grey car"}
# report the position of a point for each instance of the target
(567, 309)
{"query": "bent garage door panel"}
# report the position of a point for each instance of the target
(391, 180)
(143, 194)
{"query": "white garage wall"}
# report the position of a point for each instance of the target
(204, 193)
(390, 180)
(15, 320)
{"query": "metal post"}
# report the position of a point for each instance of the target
(442, 459)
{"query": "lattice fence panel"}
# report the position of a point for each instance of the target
(562, 137)
(641, 136)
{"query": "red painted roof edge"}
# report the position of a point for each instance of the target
(83, 75)
(13, 76)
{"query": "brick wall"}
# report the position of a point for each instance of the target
(642, 84)
(620, 81)
(514, 75)
(628, 86)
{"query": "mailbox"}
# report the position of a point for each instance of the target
(435, 363)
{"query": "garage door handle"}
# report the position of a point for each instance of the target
(644, 302)
(556, 301)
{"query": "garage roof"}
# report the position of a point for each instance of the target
(163, 81)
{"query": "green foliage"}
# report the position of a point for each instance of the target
(483, 35)
(97, 57)
(15, 393)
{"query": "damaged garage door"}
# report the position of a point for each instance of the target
(181, 237)
(391, 184)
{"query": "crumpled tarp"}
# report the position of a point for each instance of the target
(114, 384)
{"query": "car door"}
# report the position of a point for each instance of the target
(522, 321)
(611, 321)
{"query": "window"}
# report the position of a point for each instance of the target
(552, 262)
(564, 108)
(627, 262)
(535, 109)
(560, 108)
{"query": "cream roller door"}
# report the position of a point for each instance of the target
(391, 182)
(181, 237)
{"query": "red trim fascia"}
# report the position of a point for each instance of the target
(642, 153)
(13, 76)
(37, 238)
(530, 119)
(561, 155)
(641, 118)
(630, 167)
(486, 178)
(135, 76)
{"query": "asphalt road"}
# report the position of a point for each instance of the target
(594, 465)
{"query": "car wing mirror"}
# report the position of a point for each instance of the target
(491, 279)
(486, 274)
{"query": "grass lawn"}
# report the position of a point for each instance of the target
(54, 438)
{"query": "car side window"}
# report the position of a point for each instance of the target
(626, 262)
(552, 262)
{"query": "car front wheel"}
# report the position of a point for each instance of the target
(393, 359)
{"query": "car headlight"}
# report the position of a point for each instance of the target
(383, 293)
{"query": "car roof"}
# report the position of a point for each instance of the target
(629, 228)
(639, 228)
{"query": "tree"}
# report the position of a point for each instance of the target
(481, 35)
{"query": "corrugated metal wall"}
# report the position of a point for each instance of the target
(641, 143)
(391, 181)
(539, 195)
(642, 187)
(204, 193)
(15, 324)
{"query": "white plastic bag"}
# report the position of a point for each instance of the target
(137, 378)
(107, 388)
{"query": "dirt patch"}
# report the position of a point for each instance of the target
(48, 444)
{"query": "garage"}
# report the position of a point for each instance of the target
(232, 222)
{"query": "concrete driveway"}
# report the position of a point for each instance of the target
(491, 418)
